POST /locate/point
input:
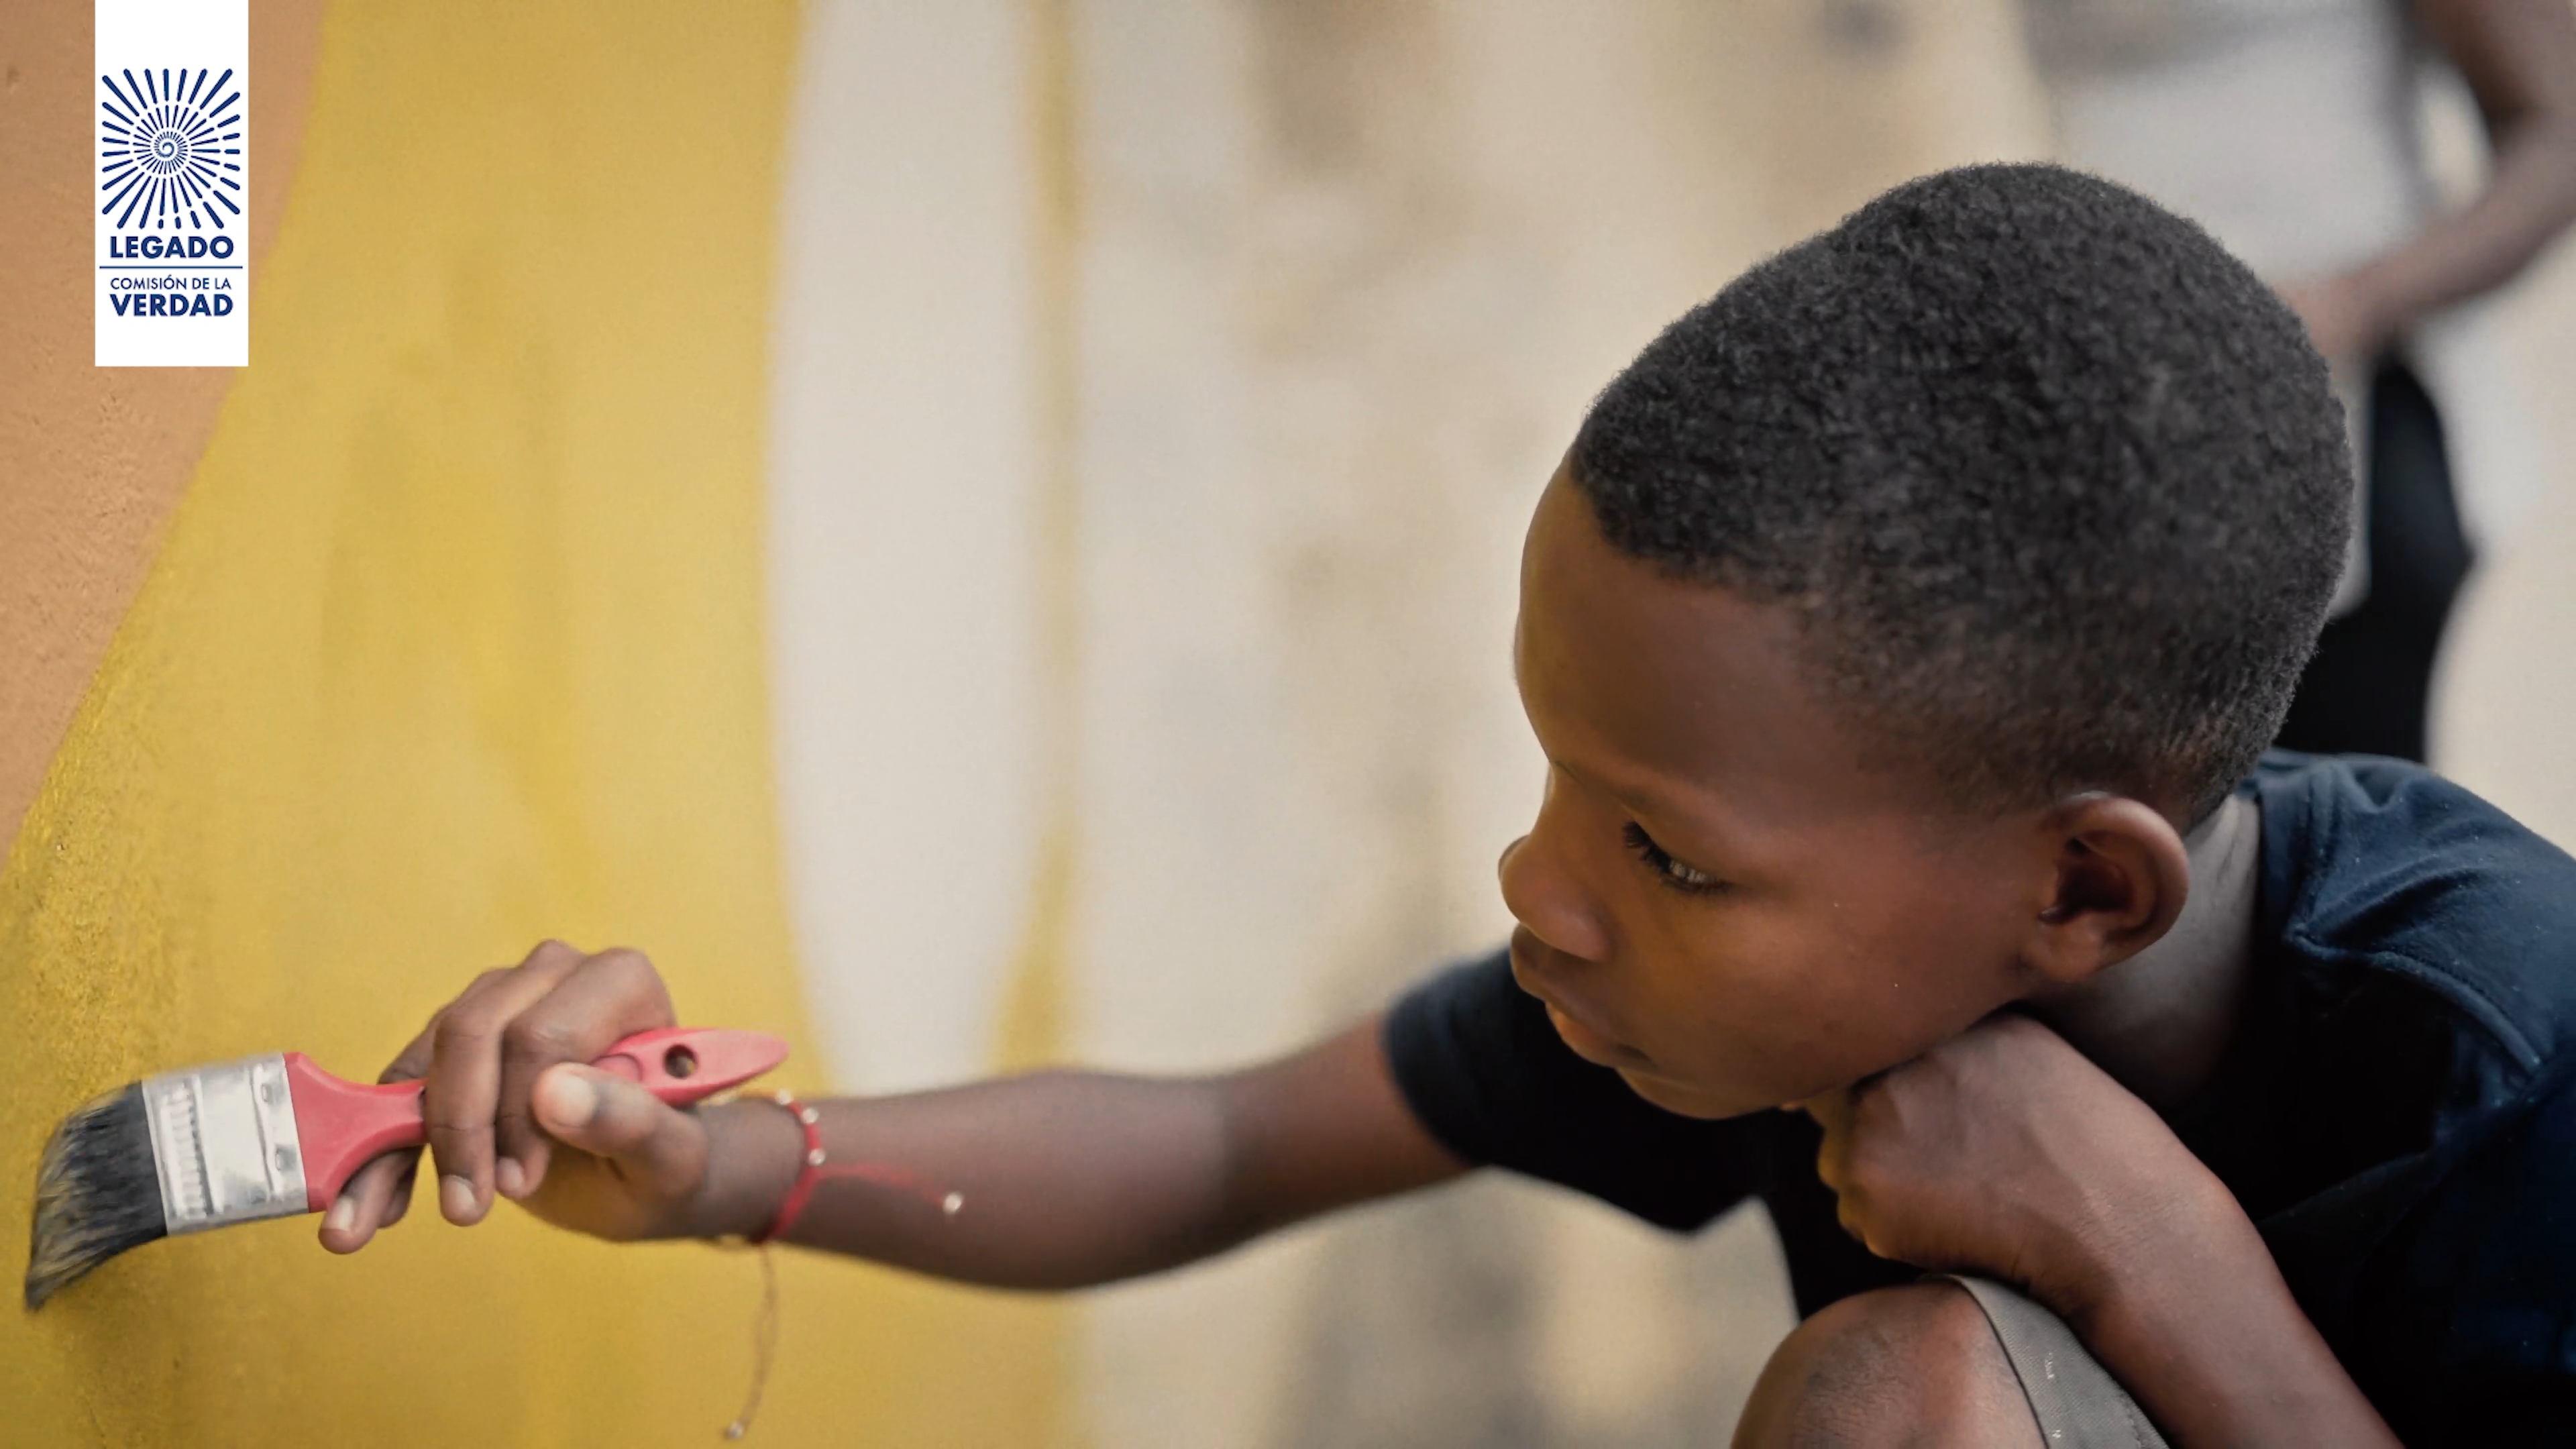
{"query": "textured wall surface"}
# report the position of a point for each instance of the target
(456, 642)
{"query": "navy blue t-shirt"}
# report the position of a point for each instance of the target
(2397, 1111)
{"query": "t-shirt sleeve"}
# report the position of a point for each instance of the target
(1489, 1078)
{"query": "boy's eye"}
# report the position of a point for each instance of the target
(1667, 870)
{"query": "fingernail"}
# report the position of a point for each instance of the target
(570, 1099)
(343, 1212)
(510, 1178)
(455, 1197)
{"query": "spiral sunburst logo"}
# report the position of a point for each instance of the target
(170, 150)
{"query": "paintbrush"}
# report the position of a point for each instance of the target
(272, 1136)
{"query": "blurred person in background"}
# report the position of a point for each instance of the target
(2291, 129)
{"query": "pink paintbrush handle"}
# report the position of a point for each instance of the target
(342, 1125)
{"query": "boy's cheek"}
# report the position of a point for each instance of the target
(1764, 1006)
(1748, 1061)
(1765, 1050)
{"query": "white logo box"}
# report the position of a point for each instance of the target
(172, 201)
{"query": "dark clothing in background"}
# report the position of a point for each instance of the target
(2369, 689)
(2397, 1113)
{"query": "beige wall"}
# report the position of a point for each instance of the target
(2508, 685)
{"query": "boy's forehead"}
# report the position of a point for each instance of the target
(1649, 682)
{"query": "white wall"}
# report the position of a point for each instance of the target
(905, 474)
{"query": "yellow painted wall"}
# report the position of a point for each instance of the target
(455, 642)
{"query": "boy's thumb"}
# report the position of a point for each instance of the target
(608, 1116)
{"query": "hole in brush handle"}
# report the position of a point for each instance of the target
(683, 1064)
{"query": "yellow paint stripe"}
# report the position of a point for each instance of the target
(1034, 1026)
(456, 642)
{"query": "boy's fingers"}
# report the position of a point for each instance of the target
(613, 994)
(462, 1087)
(401, 1203)
(412, 1062)
(378, 1194)
(370, 1200)
(1832, 1112)
(659, 1148)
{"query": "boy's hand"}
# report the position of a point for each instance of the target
(2003, 1152)
(512, 1108)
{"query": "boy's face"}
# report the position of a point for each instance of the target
(1718, 899)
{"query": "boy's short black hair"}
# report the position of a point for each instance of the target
(2057, 487)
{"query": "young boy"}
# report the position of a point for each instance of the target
(1902, 631)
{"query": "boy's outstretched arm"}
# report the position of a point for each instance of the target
(1065, 1178)
(1075, 1178)
(2004, 1153)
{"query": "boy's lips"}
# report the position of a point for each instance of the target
(1572, 1019)
(1584, 1042)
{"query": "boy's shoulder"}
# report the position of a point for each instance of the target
(2400, 1128)
(2381, 875)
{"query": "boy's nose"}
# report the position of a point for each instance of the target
(1547, 901)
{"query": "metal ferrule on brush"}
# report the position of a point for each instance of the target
(224, 1140)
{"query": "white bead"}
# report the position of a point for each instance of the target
(809, 1116)
(815, 1157)
(954, 1201)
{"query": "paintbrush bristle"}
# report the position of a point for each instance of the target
(98, 1192)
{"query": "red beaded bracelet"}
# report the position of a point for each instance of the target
(817, 1166)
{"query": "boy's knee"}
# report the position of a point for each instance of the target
(1913, 1366)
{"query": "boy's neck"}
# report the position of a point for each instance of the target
(2160, 1021)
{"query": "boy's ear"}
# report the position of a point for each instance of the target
(2119, 875)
